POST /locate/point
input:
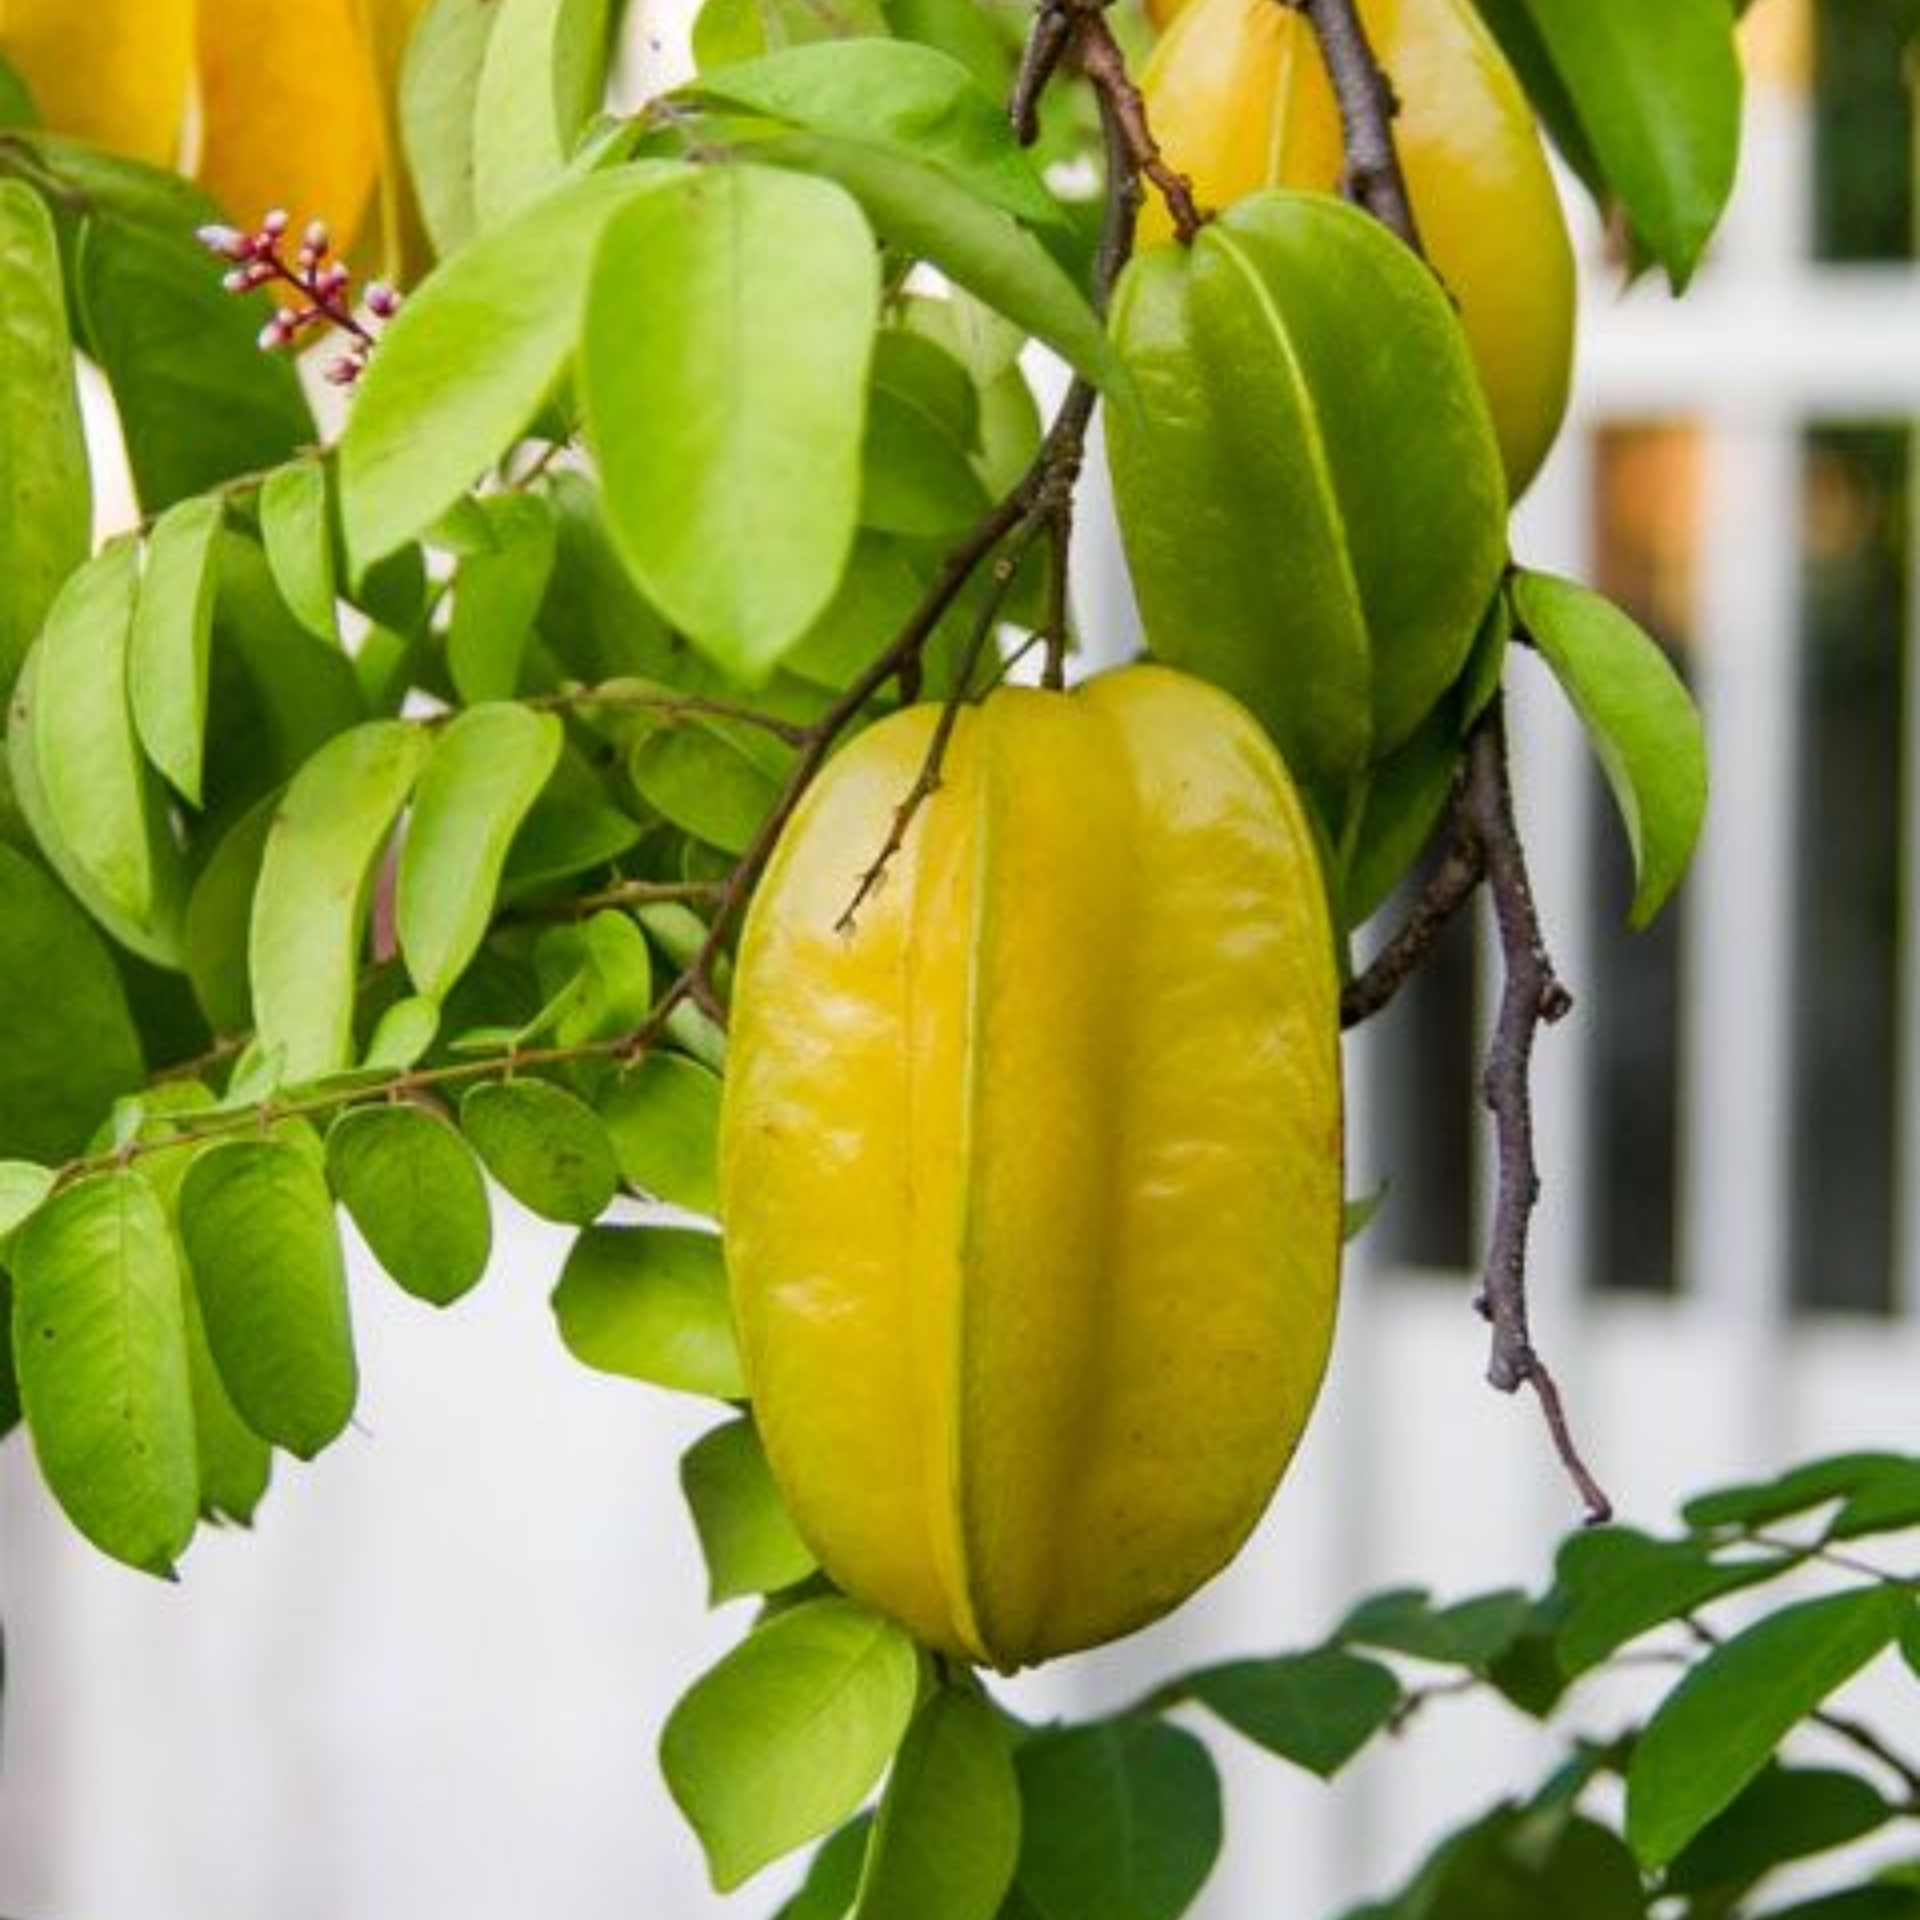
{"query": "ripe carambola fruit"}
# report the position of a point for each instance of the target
(1239, 99)
(1031, 1180)
(1306, 477)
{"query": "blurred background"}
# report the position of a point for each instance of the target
(431, 1681)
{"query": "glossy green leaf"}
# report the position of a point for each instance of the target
(547, 1148)
(1719, 1727)
(919, 475)
(1346, 569)
(496, 595)
(404, 1034)
(746, 1538)
(257, 1224)
(789, 1733)
(1888, 1503)
(723, 371)
(718, 779)
(1786, 1813)
(46, 495)
(1470, 1633)
(948, 1832)
(468, 361)
(23, 1185)
(912, 100)
(218, 913)
(1654, 88)
(68, 1044)
(1403, 803)
(599, 975)
(439, 102)
(101, 1348)
(664, 1118)
(1816, 1483)
(310, 908)
(171, 640)
(1316, 1709)
(198, 401)
(105, 820)
(235, 1464)
(1120, 1821)
(651, 1303)
(541, 79)
(833, 1874)
(1617, 1584)
(1640, 717)
(485, 771)
(416, 1194)
(296, 528)
(972, 241)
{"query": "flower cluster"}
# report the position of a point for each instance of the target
(324, 288)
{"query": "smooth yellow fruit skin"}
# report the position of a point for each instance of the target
(1239, 99)
(1031, 1182)
(114, 72)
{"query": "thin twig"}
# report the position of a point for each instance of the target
(670, 707)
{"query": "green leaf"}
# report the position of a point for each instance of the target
(101, 1349)
(1316, 1709)
(1857, 1903)
(96, 809)
(664, 1118)
(1888, 1503)
(650, 1303)
(723, 371)
(172, 640)
(46, 495)
(1520, 1863)
(1618, 1584)
(485, 771)
(947, 1836)
(745, 1536)
(547, 1148)
(922, 429)
(1640, 717)
(974, 243)
(439, 103)
(23, 1185)
(67, 1040)
(541, 80)
(296, 528)
(1655, 86)
(403, 1034)
(218, 911)
(1120, 1821)
(1471, 1633)
(1403, 802)
(1719, 1727)
(833, 1875)
(594, 618)
(235, 1464)
(198, 401)
(600, 977)
(1786, 1813)
(717, 779)
(789, 1733)
(310, 907)
(470, 359)
(732, 30)
(919, 104)
(1817, 1483)
(496, 594)
(257, 1223)
(1255, 443)
(416, 1194)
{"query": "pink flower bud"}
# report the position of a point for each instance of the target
(273, 336)
(382, 300)
(240, 280)
(275, 223)
(334, 280)
(316, 239)
(227, 241)
(342, 372)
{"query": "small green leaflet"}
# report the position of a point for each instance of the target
(310, 907)
(439, 94)
(651, 1303)
(1519, 1863)
(948, 1831)
(549, 1149)
(416, 1194)
(485, 771)
(497, 594)
(172, 639)
(296, 528)
(1317, 1709)
(541, 79)
(23, 1185)
(257, 1224)
(726, 31)
(833, 1874)
(1640, 717)
(1816, 1483)
(745, 1536)
(468, 361)
(723, 373)
(1717, 1729)
(599, 979)
(235, 1463)
(717, 779)
(1120, 1821)
(101, 1346)
(664, 1117)
(46, 494)
(789, 1733)
(1787, 1813)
